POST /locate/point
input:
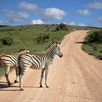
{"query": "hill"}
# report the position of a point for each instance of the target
(33, 37)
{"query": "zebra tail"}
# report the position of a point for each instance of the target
(19, 67)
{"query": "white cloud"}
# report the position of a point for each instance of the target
(37, 21)
(16, 16)
(28, 6)
(95, 5)
(46, 13)
(82, 24)
(84, 12)
(77, 24)
(26, 9)
(72, 23)
(54, 13)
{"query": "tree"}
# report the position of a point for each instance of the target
(61, 27)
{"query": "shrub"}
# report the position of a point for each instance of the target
(61, 27)
(94, 37)
(42, 38)
(55, 39)
(99, 56)
(7, 41)
(93, 44)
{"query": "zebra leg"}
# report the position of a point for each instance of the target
(42, 75)
(46, 75)
(22, 71)
(17, 75)
(7, 75)
(20, 83)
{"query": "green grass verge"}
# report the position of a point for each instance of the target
(93, 48)
(25, 37)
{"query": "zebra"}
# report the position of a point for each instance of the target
(8, 61)
(38, 61)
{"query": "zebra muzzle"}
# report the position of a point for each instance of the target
(61, 55)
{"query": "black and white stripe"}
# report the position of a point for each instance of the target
(8, 61)
(38, 61)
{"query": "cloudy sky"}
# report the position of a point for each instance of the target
(74, 12)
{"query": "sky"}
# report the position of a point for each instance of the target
(73, 12)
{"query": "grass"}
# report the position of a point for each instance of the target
(1, 71)
(25, 37)
(93, 48)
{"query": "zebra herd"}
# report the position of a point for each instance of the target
(26, 60)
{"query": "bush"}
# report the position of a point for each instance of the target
(99, 56)
(55, 39)
(42, 38)
(94, 37)
(93, 44)
(7, 41)
(61, 27)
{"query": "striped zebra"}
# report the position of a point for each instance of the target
(8, 61)
(38, 61)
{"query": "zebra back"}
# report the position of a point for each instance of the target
(7, 59)
(37, 61)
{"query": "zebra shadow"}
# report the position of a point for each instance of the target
(28, 86)
(4, 87)
(31, 86)
(81, 42)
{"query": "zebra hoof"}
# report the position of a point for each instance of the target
(15, 81)
(41, 86)
(47, 86)
(9, 84)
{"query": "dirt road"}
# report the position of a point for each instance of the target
(77, 77)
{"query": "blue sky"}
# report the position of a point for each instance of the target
(74, 12)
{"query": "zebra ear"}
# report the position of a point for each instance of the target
(58, 42)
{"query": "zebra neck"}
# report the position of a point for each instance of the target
(51, 55)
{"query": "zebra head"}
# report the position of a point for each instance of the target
(57, 50)
(22, 51)
(53, 49)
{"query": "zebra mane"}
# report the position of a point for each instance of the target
(49, 47)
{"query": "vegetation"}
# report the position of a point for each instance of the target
(7, 41)
(93, 43)
(61, 27)
(94, 37)
(33, 37)
(43, 38)
(2, 71)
